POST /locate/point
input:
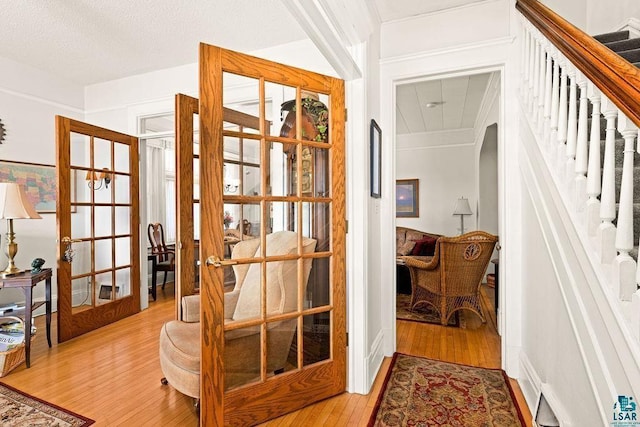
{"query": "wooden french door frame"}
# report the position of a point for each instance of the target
(251, 404)
(186, 249)
(72, 324)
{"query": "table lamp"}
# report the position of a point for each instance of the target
(462, 208)
(14, 205)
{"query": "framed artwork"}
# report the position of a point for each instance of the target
(375, 166)
(38, 181)
(407, 198)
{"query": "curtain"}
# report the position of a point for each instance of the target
(156, 188)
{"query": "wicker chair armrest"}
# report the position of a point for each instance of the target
(431, 263)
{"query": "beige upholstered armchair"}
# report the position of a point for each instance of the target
(180, 340)
(451, 279)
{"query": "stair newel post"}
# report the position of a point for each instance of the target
(541, 89)
(562, 117)
(606, 229)
(572, 128)
(555, 87)
(593, 174)
(624, 266)
(546, 113)
(582, 147)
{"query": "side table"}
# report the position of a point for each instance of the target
(27, 281)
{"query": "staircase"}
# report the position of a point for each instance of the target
(580, 102)
(628, 48)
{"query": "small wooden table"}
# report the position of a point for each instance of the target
(27, 281)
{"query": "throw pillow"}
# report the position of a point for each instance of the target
(406, 248)
(425, 246)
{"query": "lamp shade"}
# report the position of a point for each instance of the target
(462, 207)
(14, 203)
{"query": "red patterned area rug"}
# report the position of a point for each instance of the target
(425, 392)
(20, 409)
(422, 313)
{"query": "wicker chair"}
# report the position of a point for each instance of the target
(450, 280)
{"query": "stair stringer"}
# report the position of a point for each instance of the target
(608, 350)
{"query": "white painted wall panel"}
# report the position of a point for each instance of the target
(29, 101)
(548, 339)
(446, 29)
(445, 173)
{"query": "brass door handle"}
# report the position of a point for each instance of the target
(217, 262)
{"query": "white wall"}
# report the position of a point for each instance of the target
(444, 163)
(604, 17)
(596, 16)
(488, 182)
(549, 343)
(446, 29)
(29, 101)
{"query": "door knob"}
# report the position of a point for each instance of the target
(217, 262)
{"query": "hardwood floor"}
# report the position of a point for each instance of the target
(112, 375)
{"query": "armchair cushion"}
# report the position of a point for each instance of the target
(425, 246)
(406, 248)
(191, 308)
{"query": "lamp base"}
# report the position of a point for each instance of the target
(10, 271)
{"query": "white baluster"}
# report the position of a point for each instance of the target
(536, 81)
(593, 174)
(532, 72)
(572, 127)
(624, 266)
(543, 69)
(525, 62)
(606, 229)
(546, 107)
(555, 99)
(582, 143)
(562, 118)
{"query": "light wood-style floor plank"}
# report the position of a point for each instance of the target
(112, 375)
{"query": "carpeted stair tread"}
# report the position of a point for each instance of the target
(622, 45)
(632, 55)
(636, 183)
(612, 37)
(619, 153)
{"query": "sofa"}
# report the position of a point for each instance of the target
(414, 243)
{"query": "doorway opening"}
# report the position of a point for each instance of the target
(447, 130)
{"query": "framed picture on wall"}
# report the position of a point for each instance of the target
(407, 198)
(37, 180)
(375, 166)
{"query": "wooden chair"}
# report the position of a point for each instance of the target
(165, 256)
(451, 279)
(246, 227)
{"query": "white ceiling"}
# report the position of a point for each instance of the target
(90, 41)
(460, 98)
(389, 10)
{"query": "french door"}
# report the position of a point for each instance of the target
(98, 227)
(272, 238)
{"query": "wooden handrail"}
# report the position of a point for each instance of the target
(616, 77)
